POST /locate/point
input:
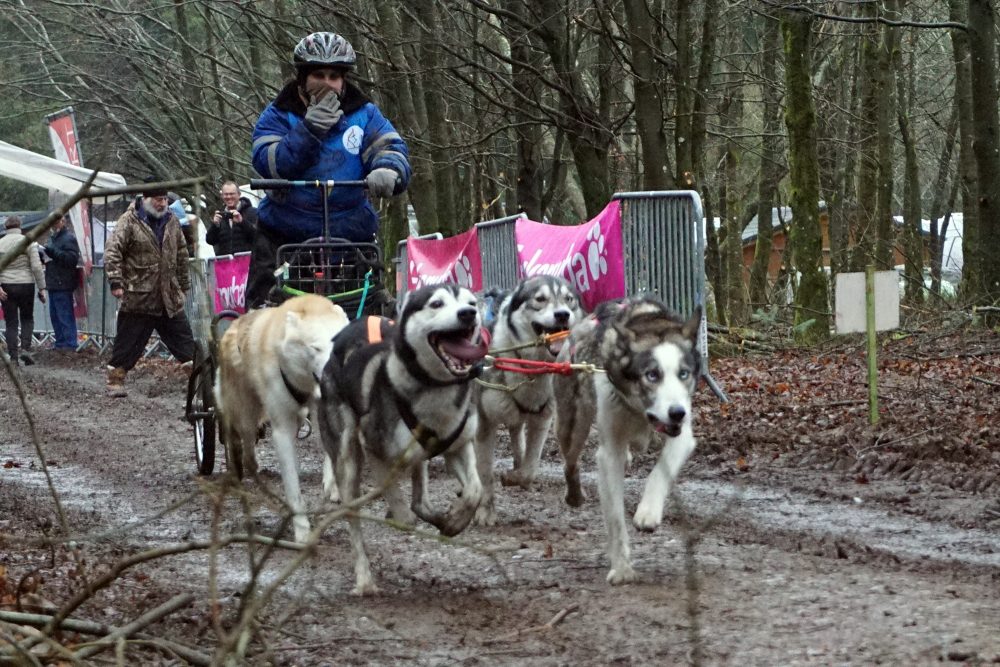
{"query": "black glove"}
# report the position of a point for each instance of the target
(382, 182)
(323, 113)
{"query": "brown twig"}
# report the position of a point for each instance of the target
(545, 627)
(985, 381)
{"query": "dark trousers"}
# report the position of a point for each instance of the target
(263, 260)
(134, 330)
(19, 316)
(63, 319)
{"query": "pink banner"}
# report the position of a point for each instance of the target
(452, 260)
(589, 255)
(231, 282)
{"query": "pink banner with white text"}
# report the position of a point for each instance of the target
(231, 282)
(455, 259)
(589, 255)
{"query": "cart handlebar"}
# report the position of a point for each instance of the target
(284, 184)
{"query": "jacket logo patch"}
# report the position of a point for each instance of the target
(352, 139)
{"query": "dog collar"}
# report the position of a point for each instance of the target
(300, 396)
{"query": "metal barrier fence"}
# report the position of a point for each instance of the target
(663, 242)
(98, 328)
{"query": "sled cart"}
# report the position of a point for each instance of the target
(350, 274)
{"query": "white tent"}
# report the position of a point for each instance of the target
(47, 172)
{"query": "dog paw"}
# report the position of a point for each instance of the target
(623, 574)
(485, 516)
(363, 588)
(575, 497)
(456, 520)
(647, 519)
(404, 516)
(516, 478)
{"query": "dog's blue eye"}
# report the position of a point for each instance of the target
(684, 374)
(653, 375)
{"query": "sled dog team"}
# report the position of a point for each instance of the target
(396, 393)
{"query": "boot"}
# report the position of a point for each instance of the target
(116, 383)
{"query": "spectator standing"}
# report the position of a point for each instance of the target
(61, 277)
(321, 127)
(17, 283)
(146, 263)
(235, 226)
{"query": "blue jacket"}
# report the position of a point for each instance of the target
(64, 253)
(362, 141)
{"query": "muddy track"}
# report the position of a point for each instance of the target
(804, 555)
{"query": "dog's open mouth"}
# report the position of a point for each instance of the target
(459, 349)
(671, 429)
(555, 345)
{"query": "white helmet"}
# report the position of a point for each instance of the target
(324, 49)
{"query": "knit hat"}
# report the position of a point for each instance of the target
(154, 191)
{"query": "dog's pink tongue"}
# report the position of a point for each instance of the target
(464, 350)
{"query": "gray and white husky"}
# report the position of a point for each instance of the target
(413, 386)
(538, 305)
(651, 365)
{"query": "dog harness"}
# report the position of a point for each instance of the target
(428, 438)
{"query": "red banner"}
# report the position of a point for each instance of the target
(62, 131)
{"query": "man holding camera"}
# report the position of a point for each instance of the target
(234, 227)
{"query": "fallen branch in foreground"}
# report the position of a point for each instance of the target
(110, 634)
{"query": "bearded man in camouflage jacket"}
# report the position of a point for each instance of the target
(146, 263)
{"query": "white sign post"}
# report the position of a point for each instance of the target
(868, 302)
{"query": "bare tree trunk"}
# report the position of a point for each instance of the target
(683, 109)
(220, 101)
(699, 110)
(805, 238)
(885, 236)
(526, 67)
(438, 134)
(913, 255)
(192, 89)
(940, 197)
(843, 208)
(649, 114)
(588, 137)
(968, 171)
(863, 221)
(733, 296)
(411, 124)
(980, 252)
(767, 182)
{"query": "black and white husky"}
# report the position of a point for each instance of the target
(651, 365)
(413, 386)
(523, 403)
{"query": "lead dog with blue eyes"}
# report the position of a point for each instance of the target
(651, 365)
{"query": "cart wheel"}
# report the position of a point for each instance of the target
(201, 411)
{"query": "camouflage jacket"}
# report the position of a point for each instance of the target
(154, 277)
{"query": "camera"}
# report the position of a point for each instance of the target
(227, 215)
